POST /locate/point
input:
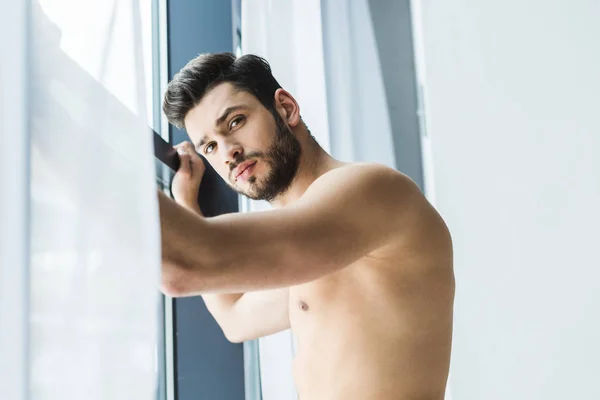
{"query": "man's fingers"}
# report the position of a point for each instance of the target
(189, 147)
(185, 166)
(187, 179)
(185, 143)
(192, 164)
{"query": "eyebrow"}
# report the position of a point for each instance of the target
(219, 121)
(226, 113)
(201, 142)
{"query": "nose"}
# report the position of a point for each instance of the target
(232, 152)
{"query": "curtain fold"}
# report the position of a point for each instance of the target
(95, 246)
(359, 123)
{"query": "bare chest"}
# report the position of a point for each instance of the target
(372, 296)
(358, 330)
(340, 299)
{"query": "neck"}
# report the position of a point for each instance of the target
(314, 162)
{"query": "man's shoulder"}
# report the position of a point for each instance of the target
(361, 177)
(368, 192)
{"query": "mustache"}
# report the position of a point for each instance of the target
(242, 158)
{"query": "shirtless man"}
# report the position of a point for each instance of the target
(353, 258)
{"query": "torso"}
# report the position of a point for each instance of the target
(379, 329)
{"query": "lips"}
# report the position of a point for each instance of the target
(242, 167)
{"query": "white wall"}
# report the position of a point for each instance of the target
(513, 95)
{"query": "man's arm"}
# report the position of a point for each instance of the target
(250, 315)
(344, 215)
(241, 316)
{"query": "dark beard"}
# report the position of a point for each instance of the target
(283, 157)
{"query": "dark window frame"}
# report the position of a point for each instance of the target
(205, 364)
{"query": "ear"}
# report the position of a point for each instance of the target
(287, 107)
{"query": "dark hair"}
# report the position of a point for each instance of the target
(249, 73)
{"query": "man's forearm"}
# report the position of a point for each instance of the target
(207, 256)
(218, 304)
(181, 228)
(238, 253)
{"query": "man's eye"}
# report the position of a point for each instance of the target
(210, 148)
(236, 121)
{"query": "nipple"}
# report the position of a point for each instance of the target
(303, 305)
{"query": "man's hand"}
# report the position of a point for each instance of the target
(187, 179)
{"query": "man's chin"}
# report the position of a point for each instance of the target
(250, 195)
(246, 188)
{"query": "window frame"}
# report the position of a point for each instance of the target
(14, 201)
(204, 363)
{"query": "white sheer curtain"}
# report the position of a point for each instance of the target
(359, 122)
(94, 244)
(325, 54)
